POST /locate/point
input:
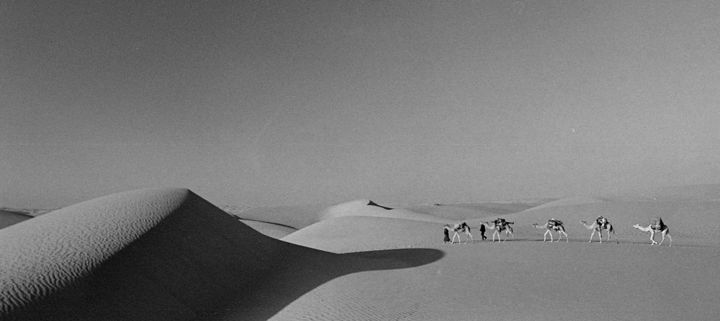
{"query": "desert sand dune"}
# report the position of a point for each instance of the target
(169, 255)
(361, 208)
(273, 230)
(8, 218)
(295, 216)
(162, 255)
(569, 201)
(367, 233)
(466, 211)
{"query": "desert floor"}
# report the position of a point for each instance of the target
(169, 255)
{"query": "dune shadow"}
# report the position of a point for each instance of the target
(164, 254)
(300, 274)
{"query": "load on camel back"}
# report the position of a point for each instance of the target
(601, 222)
(500, 222)
(656, 223)
(554, 223)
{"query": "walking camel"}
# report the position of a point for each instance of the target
(500, 225)
(657, 226)
(598, 226)
(553, 225)
(461, 228)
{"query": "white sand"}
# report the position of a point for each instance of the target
(169, 255)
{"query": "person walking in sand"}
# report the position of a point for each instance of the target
(446, 231)
(482, 232)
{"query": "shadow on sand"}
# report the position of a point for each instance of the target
(197, 263)
(298, 275)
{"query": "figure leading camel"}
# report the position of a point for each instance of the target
(656, 226)
(500, 225)
(600, 224)
(460, 228)
(553, 225)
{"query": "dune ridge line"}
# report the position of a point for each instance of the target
(159, 254)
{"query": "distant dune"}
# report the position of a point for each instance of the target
(466, 211)
(270, 229)
(295, 216)
(362, 208)
(367, 233)
(8, 218)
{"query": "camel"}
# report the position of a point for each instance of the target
(457, 229)
(658, 226)
(500, 225)
(553, 225)
(596, 226)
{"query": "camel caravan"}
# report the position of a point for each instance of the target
(599, 225)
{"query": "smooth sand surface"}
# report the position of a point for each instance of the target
(362, 208)
(168, 254)
(273, 230)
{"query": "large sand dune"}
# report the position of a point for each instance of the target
(162, 255)
(169, 255)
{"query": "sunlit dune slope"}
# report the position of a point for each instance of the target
(366, 233)
(295, 216)
(270, 229)
(362, 208)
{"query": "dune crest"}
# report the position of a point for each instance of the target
(162, 254)
(371, 209)
(8, 218)
(142, 249)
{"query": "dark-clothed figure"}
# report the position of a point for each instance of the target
(446, 231)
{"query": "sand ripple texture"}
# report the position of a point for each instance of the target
(157, 254)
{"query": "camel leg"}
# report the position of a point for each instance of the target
(545, 236)
(551, 237)
(663, 238)
(591, 236)
(453, 239)
(652, 238)
(471, 238)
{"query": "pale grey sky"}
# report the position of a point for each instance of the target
(293, 102)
